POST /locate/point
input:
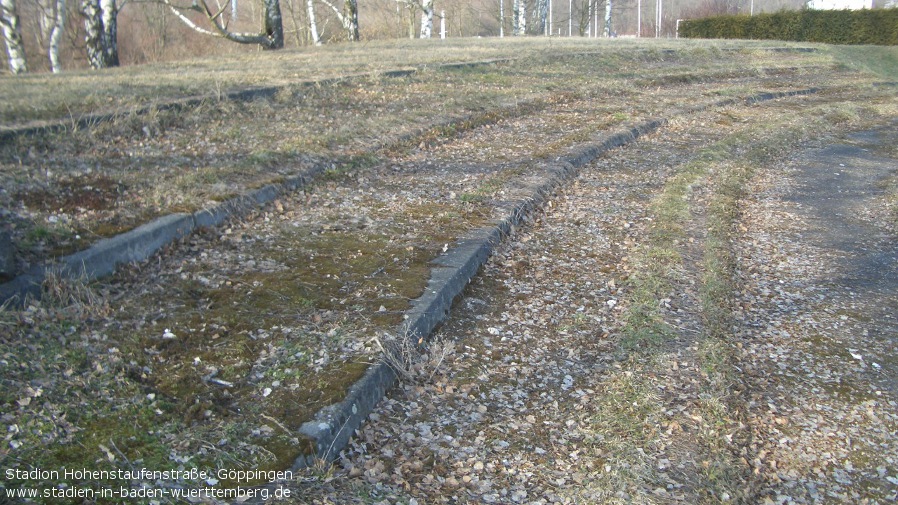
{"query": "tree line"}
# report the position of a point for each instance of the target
(56, 34)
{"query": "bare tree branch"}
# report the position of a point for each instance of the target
(271, 39)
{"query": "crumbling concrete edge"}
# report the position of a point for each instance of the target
(101, 258)
(242, 94)
(138, 244)
(329, 432)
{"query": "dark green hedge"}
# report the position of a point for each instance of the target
(878, 26)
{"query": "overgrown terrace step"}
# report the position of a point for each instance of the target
(329, 432)
(143, 241)
(263, 282)
(85, 121)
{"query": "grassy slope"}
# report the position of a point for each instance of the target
(76, 421)
(33, 97)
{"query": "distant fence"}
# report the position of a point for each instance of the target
(875, 27)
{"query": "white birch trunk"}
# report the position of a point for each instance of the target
(519, 11)
(12, 35)
(56, 36)
(607, 31)
(351, 7)
(110, 32)
(100, 32)
(313, 26)
(93, 32)
(542, 14)
(501, 18)
(426, 19)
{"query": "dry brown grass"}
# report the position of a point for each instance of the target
(30, 98)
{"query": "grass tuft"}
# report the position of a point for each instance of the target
(415, 360)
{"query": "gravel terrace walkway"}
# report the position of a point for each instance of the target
(821, 298)
(531, 407)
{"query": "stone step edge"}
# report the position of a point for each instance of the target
(329, 432)
(140, 243)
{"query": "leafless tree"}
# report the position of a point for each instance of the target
(348, 17)
(541, 16)
(270, 37)
(519, 13)
(426, 19)
(12, 35)
(607, 30)
(101, 32)
(313, 26)
(52, 20)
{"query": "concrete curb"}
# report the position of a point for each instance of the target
(329, 432)
(245, 94)
(142, 242)
(332, 427)
(122, 247)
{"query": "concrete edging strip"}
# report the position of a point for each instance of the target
(329, 431)
(138, 244)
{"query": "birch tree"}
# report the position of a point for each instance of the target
(426, 19)
(519, 12)
(101, 32)
(313, 26)
(53, 25)
(607, 31)
(270, 37)
(501, 18)
(541, 14)
(348, 17)
(351, 8)
(12, 35)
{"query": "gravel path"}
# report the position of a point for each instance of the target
(819, 263)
